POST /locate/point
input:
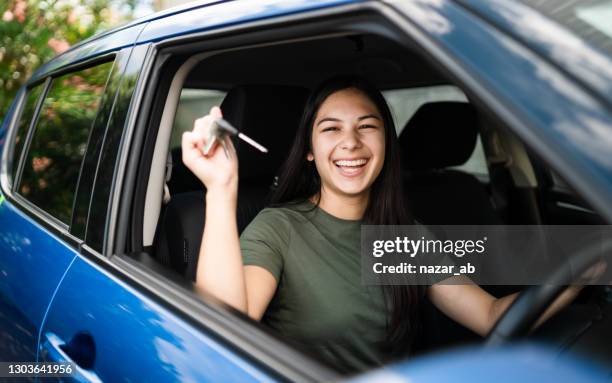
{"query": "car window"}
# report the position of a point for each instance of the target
(53, 161)
(405, 102)
(25, 121)
(194, 103)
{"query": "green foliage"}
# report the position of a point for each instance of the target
(33, 31)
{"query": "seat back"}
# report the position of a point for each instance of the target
(268, 114)
(442, 135)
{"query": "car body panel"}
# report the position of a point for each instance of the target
(33, 261)
(558, 44)
(134, 335)
(520, 363)
(228, 14)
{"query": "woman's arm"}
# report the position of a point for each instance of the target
(220, 270)
(474, 308)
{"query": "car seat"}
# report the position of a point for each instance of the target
(439, 136)
(269, 115)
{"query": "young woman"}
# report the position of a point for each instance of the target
(297, 265)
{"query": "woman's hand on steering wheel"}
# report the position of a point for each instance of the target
(532, 303)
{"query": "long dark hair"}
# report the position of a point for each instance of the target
(299, 180)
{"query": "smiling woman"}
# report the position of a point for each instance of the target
(348, 148)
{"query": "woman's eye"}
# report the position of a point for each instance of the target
(367, 127)
(329, 129)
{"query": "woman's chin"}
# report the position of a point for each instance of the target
(352, 189)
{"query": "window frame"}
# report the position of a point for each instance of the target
(13, 181)
(50, 82)
(8, 185)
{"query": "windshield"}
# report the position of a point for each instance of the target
(590, 19)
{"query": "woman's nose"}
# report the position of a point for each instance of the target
(350, 140)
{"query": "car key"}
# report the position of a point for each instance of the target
(222, 128)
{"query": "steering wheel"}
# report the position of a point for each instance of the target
(524, 312)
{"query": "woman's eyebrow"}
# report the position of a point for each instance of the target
(368, 116)
(332, 119)
(328, 119)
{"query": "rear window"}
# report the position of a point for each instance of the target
(52, 165)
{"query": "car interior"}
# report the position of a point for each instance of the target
(262, 91)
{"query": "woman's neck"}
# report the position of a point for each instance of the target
(343, 207)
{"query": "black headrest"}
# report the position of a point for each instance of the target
(439, 135)
(270, 115)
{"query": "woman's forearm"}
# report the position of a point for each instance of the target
(220, 270)
(562, 300)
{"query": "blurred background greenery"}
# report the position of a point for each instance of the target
(33, 31)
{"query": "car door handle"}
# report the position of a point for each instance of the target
(54, 349)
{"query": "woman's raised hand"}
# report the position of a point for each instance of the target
(215, 170)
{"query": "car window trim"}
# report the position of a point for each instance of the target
(30, 133)
(79, 185)
(8, 153)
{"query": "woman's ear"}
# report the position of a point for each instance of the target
(310, 157)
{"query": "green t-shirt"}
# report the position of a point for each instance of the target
(320, 303)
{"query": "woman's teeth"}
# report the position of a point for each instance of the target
(350, 163)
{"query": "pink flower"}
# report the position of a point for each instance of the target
(58, 46)
(20, 11)
(72, 17)
(39, 164)
(7, 16)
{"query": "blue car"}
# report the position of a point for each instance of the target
(504, 114)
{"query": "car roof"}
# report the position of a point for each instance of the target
(183, 19)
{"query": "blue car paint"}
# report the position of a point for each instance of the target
(520, 363)
(567, 50)
(150, 338)
(228, 14)
(33, 261)
(185, 19)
